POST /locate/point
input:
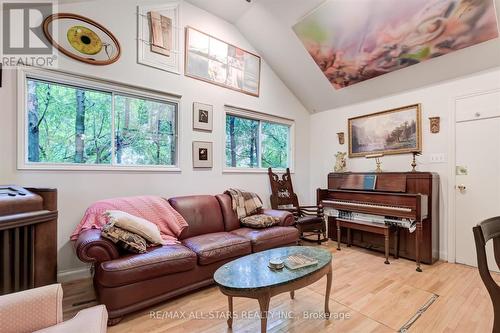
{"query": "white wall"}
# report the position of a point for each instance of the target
(436, 100)
(77, 190)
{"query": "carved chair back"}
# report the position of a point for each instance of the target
(282, 194)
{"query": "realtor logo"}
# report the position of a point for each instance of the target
(23, 40)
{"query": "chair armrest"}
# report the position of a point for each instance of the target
(32, 309)
(91, 247)
(286, 218)
(91, 320)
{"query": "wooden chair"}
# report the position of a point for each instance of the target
(309, 220)
(483, 232)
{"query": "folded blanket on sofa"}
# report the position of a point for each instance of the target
(244, 203)
(152, 208)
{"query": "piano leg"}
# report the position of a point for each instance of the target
(418, 238)
(396, 242)
(348, 237)
(338, 235)
(386, 244)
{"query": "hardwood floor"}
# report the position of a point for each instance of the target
(367, 296)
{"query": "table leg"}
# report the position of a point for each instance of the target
(292, 294)
(264, 309)
(230, 316)
(327, 294)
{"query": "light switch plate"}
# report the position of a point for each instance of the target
(437, 158)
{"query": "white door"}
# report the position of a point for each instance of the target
(478, 171)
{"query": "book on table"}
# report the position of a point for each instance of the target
(297, 261)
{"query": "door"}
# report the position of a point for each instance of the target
(477, 171)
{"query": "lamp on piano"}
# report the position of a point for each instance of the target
(377, 160)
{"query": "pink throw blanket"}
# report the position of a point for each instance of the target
(152, 208)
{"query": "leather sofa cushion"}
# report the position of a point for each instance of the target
(157, 261)
(218, 246)
(263, 239)
(201, 212)
(231, 221)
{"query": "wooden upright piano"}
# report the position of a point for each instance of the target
(28, 238)
(408, 201)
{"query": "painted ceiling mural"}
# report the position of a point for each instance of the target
(353, 41)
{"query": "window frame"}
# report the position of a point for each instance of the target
(259, 116)
(93, 83)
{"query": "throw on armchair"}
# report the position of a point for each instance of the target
(309, 220)
(40, 310)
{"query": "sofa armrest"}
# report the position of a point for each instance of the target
(31, 310)
(91, 320)
(286, 218)
(91, 247)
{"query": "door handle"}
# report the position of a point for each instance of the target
(462, 188)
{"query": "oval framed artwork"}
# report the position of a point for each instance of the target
(82, 39)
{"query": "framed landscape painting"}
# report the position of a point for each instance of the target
(353, 41)
(396, 131)
(214, 61)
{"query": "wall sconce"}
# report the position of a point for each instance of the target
(341, 137)
(435, 124)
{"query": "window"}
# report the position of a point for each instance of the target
(257, 141)
(84, 124)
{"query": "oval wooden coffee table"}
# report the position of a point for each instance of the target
(251, 277)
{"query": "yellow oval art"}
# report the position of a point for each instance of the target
(84, 40)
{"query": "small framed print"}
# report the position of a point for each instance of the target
(202, 117)
(202, 154)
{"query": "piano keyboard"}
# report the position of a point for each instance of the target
(366, 205)
(371, 218)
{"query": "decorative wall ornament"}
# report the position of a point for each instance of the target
(341, 137)
(435, 124)
(390, 35)
(158, 36)
(396, 131)
(340, 162)
(161, 33)
(212, 60)
(202, 154)
(82, 39)
(202, 117)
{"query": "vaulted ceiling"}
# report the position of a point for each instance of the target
(267, 24)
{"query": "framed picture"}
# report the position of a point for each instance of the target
(82, 39)
(158, 36)
(396, 131)
(202, 117)
(214, 61)
(202, 154)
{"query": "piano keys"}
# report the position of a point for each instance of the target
(406, 201)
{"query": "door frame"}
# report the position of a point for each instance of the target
(451, 246)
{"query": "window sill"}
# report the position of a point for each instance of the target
(113, 168)
(255, 170)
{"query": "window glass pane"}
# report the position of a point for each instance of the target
(242, 142)
(145, 131)
(275, 138)
(67, 124)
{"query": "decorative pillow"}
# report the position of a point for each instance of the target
(136, 225)
(124, 239)
(259, 221)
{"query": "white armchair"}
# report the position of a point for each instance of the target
(40, 310)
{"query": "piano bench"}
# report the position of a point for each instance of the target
(375, 228)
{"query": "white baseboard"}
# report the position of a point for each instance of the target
(443, 256)
(73, 274)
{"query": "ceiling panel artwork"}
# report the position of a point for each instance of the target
(354, 41)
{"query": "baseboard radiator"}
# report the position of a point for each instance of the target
(28, 238)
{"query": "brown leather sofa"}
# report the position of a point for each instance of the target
(127, 282)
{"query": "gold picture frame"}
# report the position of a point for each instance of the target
(394, 131)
